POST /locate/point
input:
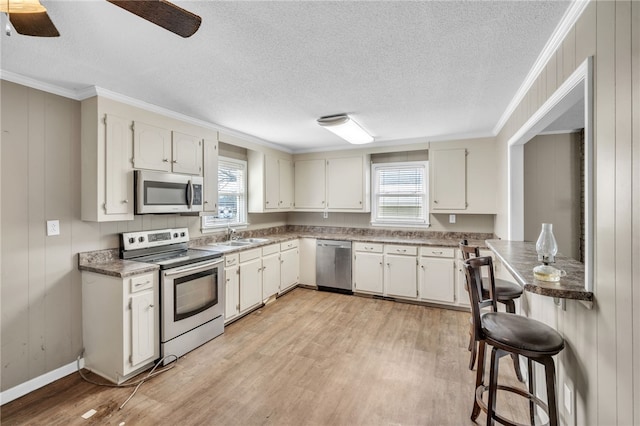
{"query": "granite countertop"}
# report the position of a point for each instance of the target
(107, 262)
(520, 257)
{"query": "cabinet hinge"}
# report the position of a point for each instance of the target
(130, 305)
(466, 204)
(466, 152)
(104, 207)
(131, 359)
(104, 120)
(133, 125)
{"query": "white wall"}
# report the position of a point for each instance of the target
(601, 359)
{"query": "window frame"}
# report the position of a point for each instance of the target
(211, 222)
(423, 222)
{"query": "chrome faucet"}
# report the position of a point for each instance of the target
(231, 233)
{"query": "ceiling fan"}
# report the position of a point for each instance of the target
(29, 17)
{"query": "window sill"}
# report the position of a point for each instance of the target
(400, 225)
(223, 227)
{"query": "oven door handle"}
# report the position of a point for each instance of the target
(186, 270)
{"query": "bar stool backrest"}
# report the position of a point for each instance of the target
(468, 251)
(473, 270)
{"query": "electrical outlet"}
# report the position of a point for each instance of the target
(568, 399)
(53, 227)
(452, 218)
(325, 215)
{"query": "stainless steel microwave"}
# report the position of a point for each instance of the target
(158, 192)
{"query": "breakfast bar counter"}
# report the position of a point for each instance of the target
(520, 257)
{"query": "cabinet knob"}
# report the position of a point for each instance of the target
(435, 201)
(164, 160)
(151, 306)
(206, 202)
(174, 161)
(125, 201)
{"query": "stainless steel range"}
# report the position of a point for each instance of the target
(191, 292)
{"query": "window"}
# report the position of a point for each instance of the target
(400, 194)
(232, 194)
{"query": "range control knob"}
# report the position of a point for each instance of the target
(182, 234)
(141, 239)
(175, 235)
(132, 240)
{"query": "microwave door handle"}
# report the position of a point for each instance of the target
(189, 194)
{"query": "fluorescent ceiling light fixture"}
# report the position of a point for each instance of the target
(343, 126)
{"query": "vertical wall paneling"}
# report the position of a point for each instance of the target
(585, 34)
(569, 54)
(624, 296)
(552, 78)
(605, 184)
(15, 248)
(37, 274)
(635, 208)
(559, 66)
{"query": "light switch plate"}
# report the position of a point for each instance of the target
(568, 398)
(452, 218)
(53, 227)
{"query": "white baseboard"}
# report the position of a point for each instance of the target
(38, 382)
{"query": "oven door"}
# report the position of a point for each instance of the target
(191, 295)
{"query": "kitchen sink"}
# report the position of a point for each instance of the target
(244, 242)
(253, 240)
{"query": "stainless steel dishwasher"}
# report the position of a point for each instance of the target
(333, 266)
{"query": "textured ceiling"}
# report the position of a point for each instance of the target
(403, 70)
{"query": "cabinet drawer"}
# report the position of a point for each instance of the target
(141, 282)
(398, 249)
(289, 245)
(250, 255)
(369, 247)
(437, 251)
(273, 248)
(231, 260)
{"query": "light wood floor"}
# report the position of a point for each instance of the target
(311, 358)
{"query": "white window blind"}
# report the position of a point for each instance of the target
(400, 193)
(232, 194)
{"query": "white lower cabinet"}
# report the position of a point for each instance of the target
(437, 274)
(270, 271)
(368, 268)
(232, 287)
(120, 324)
(250, 279)
(401, 271)
(289, 265)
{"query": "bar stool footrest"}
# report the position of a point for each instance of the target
(502, 420)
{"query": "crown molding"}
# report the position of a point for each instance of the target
(569, 19)
(39, 85)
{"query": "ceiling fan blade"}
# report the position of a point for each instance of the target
(162, 13)
(36, 24)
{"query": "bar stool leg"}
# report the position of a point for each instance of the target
(532, 386)
(510, 307)
(472, 348)
(479, 379)
(496, 354)
(550, 373)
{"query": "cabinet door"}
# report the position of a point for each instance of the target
(368, 272)
(187, 154)
(437, 281)
(270, 275)
(289, 269)
(232, 295)
(309, 177)
(448, 179)
(286, 184)
(143, 336)
(463, 294)
(271, 183)
(400, 276)
(119, 170)
(345, 186)
(151, 147)
(210, 176)
(250, 284)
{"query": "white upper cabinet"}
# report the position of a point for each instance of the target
(448, 179)
(334, 184)
(346, 183)
(270, 183)
(156, 148)
(309, 178)
(106, 166)
(187, 154)
(151, 147)
(210, 175)
(463, 177)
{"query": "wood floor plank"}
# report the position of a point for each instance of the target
(310, 358)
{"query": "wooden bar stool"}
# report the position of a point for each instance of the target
(506, 292)
(508, 334)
